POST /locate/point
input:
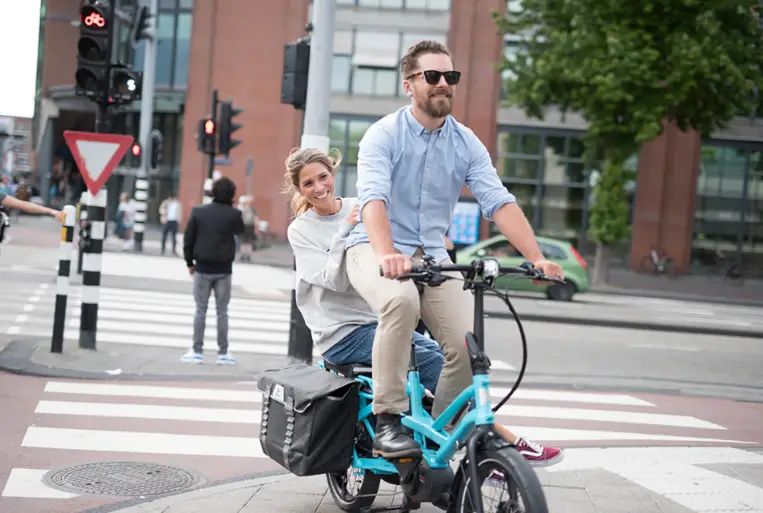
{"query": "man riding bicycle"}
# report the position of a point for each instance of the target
(412, 166)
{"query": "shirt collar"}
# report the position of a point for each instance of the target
(419, 129)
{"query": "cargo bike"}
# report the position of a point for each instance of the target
(318, 420)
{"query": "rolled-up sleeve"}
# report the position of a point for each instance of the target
(482, 180)
(2, 197)
(374, 167)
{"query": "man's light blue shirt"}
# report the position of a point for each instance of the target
(419, 176)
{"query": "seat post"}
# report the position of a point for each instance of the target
(412, 366)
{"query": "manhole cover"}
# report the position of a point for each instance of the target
(129, 479)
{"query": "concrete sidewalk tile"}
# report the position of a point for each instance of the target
(749, 473)
(292, 503)
(570, 500)
(611, 493)
(223, 502)
(313, 485)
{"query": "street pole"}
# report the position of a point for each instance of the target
(146, 118)
(249, 173)
(315, 134)
(62, 279)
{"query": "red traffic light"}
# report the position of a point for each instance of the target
(209, 127)
(92, 18)
(136, 149)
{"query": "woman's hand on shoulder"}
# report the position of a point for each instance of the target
(352, 217)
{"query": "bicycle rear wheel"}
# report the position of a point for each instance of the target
(504, 470)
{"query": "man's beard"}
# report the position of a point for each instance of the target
(437, 106)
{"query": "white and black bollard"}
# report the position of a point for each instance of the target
(62, 279)
(141, 197)
(91, 269)
(207, 191)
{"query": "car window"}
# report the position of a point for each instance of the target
(501, 249)
(551, 252)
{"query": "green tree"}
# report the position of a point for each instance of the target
(629, 67)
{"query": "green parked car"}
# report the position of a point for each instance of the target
(564, 253)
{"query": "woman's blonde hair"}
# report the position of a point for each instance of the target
(299, 158)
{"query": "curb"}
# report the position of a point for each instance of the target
(613, 323)
(206, 490)
(654, 294)
(15, 358)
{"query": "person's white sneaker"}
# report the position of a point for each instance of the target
(226, 359)
(192, 357)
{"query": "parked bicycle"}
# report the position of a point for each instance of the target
(729, 268)
(653, 263)
(431, 478)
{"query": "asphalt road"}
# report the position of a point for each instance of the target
(586, 356)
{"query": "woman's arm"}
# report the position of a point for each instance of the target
(31, 208)
(318, 267)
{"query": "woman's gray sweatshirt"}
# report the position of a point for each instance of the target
(331, 307)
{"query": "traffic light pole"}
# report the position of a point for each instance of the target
(315, 134)
(207, 198)
(144, 137)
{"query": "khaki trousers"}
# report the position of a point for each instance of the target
(448, 312)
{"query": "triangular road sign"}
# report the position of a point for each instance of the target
(96, 155)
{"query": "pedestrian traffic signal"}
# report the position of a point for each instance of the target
(205, 138)
(125, 85)
(135, 150)
(157, 149)
(227, 127)
(93, 49)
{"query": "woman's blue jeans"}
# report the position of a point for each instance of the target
(357, 348)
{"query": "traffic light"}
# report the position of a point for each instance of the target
(227, 127)
(141, 26)
(157, 149)
(296, 63)
(135, 150)
(125, 85)
(93, 49)
(206, 136)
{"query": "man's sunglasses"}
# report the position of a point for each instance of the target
(433, 77)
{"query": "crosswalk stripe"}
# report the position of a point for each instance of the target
(152, 391)
(248, 416)
(137, 442)
(150, 411)
(235, 319)
(554, 435)
(148, 295)
(273, 331)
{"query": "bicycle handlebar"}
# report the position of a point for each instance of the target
(484, 268)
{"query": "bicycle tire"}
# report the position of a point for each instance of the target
(516, 470)
(670, 268)
(366, 493)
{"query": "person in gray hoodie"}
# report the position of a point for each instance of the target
(342, 323)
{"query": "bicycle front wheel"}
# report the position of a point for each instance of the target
(509, 482)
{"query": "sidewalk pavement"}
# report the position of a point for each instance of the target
(573, 486)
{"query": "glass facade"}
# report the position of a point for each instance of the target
(545, 171)
(345, 133)
(173, 30)
(729, 205)
(367, 61)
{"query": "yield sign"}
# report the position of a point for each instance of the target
(96, 155)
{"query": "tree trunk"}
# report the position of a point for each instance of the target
(601, 265)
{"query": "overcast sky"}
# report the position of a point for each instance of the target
(19, 39)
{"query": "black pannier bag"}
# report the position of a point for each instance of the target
(308, 419)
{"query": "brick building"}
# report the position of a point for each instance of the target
(690, 198)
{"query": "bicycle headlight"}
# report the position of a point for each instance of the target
(490, 268)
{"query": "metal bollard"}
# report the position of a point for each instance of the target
(62, 280)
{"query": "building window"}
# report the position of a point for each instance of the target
(367, 62)
(729, 206)
(173, 30)
(546, 173)
(345, 134)
(425, 5)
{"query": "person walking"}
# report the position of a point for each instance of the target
(169, 215)
(209, 249)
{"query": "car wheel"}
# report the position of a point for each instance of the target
(561, 291)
